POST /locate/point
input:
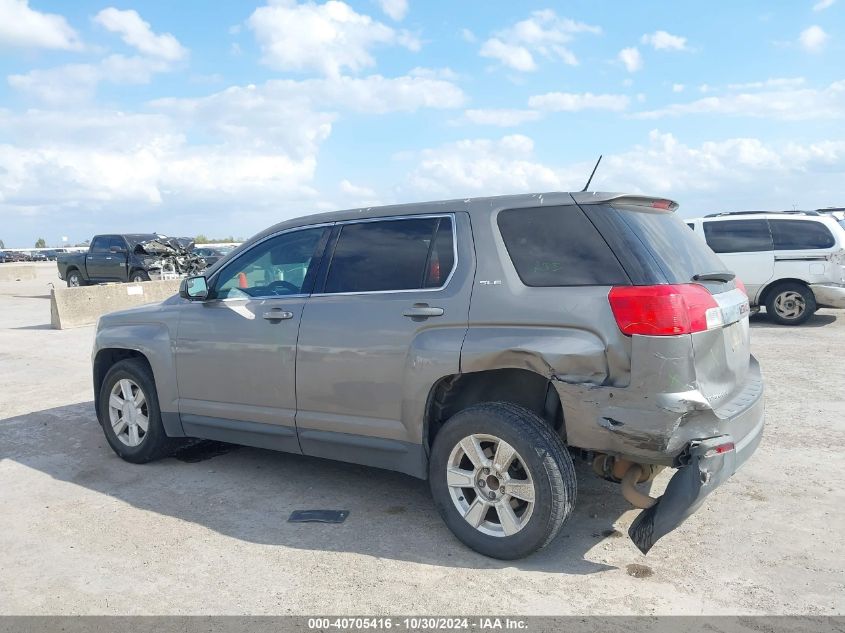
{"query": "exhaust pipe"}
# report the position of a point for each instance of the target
(629, 491)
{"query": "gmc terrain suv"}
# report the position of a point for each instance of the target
(477, 343)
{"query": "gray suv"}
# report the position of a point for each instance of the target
(480, 344)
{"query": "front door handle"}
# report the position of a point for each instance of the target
(277, 314)
(422, 310)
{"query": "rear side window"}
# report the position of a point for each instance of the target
(738, 236)
(100, 244)
(407, 254)
(793, 235)
(678, 252)
(558, 246)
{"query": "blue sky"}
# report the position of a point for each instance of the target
(187, 117)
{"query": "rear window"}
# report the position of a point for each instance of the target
(738, 236)
(793, 235)
(677, 251)
(558, 246)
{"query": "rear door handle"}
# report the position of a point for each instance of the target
(277, 314)
(422, 310)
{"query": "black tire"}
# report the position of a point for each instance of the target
(138, 276)
(790, 287)
(155, 443)
(74, 279)
(546, 458)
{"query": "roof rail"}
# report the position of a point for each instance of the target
(724, 213)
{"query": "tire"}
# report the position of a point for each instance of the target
(139, 276)
(74, 279)
(541, 458)
(153, 442)
(790, 303)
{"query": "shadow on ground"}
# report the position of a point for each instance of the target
(760, 320)
(248, 494)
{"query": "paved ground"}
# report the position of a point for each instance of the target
(82, 532)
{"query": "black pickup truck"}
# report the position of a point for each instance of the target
(130, 257)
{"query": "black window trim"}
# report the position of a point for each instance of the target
(212, 281)
(321, 284)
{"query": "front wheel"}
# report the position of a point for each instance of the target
(790, 303)
(502, 479)
(129, 414)
(139, 276)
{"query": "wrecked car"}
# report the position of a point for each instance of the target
(130, 257)
(482, 344)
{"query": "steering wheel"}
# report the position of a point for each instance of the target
(274, 285)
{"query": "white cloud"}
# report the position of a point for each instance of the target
(735, 172)
(631, 58)
(24, 27)
(73, 83)
(823, 4)
(356, 195)
(326, 37)
(663, 41)
(813, 39)
(482, 167)
(468, 36)
(788, 104)
(677, 87)
(778, 82)
(511, 55)
(396, 9)
(543, 33)
(575, 102)
(137, 33)
(501, 117)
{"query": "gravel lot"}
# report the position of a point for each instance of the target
(82, 532)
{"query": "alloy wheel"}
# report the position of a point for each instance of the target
(128, 412)
(490, 485)
(790, 305)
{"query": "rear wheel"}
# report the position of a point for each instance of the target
(502, 479)
(790, 303)
(129, 413)
(74, 279)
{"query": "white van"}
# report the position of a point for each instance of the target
(790, 262)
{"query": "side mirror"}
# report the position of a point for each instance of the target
(194, 288)
(117, 249)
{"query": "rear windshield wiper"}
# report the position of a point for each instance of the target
(724, 275)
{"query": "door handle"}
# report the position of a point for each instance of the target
(277, 314)
(422, 310)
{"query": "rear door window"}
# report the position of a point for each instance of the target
(738, 236)
(794, 235)
(390, 255)
(100, 244)
(558, 246)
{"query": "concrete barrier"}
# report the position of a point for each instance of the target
(74, 307)
(17, 272)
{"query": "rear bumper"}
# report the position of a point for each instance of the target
(706, 470)
(829, 295)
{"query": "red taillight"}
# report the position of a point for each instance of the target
(738, 283)
(721, 449)
(664, 310)
(661, 204)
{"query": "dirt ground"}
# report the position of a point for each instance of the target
(82, 532)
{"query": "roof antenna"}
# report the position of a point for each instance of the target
(593, 174)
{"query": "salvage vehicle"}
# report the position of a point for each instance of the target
(792, 262)
(129, 258)
(478, 343)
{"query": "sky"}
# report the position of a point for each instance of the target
(224, 118)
